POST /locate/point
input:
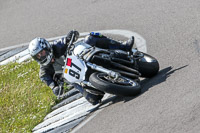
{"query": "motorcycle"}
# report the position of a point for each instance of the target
(111, 71)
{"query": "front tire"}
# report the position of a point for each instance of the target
(102, 82)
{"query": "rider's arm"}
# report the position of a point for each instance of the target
(46, 75)
(59, 47)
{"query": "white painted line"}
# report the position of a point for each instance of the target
(14, 47)
(93, 115)
(59, 111)
(22, 59)
(26, 44)
(15, 57)
(65, 107)
(67, 117)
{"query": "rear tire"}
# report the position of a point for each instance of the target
(148, 66)
(124, 88)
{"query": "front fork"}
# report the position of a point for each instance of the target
(111, 73)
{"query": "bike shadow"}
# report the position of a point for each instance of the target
(146, 84)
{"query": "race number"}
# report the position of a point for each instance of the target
(74, 69)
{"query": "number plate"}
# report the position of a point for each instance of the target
(74, 70)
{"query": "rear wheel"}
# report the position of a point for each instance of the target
(148, 66)
(121, 86)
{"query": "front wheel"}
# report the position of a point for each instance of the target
(121, 86)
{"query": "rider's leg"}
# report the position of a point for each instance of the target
(107, 43)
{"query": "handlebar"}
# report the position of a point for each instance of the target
(70, 44)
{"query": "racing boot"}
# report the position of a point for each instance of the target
(92, 98)
(129, 44)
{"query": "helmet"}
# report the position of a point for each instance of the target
(41, 51)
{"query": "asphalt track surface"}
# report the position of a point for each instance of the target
(169, 102)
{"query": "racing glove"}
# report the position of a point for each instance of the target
(69, 36)
(56, 90)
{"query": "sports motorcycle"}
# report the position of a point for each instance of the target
(112, 71)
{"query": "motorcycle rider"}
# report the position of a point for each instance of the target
(51, 55)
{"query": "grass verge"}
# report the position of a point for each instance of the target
(24, 99)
